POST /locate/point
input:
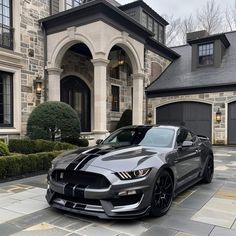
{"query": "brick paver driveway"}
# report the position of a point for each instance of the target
(201, 210)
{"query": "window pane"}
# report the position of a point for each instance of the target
(150, 23)
(5, 24)
(161, 34)
(115, 92)
(6, 3)
(6, 116)
(205, 53)
(144, 19)
(6, 38)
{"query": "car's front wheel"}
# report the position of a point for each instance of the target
(162, 194)
(209, 170)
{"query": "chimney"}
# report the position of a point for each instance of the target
(196, 35)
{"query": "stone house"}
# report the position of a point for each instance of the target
(199, 87)
(97, 56)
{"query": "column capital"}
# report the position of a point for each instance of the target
(54, 71)
(140, 76)
(100, 62)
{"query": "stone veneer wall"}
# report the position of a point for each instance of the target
(125, 85)
(32, 49)
(151, 57)
(218, 100)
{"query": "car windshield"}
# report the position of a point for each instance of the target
(147, 136)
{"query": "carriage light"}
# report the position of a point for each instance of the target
(136, 174)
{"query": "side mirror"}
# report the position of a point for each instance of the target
(99, 141)
(187, 144)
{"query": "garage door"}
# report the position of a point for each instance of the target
(232, 123)
(196, 116)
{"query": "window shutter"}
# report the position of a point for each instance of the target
(54, 7)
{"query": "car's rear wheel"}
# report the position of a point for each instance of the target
(209, 170)
(162, 194)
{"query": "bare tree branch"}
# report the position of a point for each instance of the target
(172, 31)
(210, 17)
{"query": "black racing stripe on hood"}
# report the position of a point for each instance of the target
(83, 159)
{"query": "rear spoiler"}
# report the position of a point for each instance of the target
(203, 138)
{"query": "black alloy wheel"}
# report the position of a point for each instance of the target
(209, 171)
(162, 194)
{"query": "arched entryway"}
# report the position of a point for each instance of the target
(75, 92)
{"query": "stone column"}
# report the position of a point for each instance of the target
(100, 97)
(54, 76)
(138, 90)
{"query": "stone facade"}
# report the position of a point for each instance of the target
(32, 50)
(154, 66)
(217, 100)
(125, 84)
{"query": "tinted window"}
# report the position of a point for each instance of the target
(184, 135)
(152, 137)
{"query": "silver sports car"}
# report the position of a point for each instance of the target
(136, 171)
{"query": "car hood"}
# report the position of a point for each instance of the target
(111, 157)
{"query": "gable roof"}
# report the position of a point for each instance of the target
(180, 77)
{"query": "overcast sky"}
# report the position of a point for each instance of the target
(179, 7)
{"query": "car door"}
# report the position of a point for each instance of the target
(188, 160)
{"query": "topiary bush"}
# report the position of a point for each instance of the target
(27, 146)
(4, 151)
(126, 119)
(50, 119)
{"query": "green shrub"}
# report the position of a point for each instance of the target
(125, 120)
(80, 142)
(20, 164)
(27, 146)
(50, 119)
(4, 151)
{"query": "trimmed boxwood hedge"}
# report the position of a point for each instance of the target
(20, 164)
(27, 146)
(4, 150)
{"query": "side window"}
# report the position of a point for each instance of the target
(184, 135)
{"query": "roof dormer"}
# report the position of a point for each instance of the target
(207, 50)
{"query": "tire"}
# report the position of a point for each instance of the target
(209, 171)
(162, 194)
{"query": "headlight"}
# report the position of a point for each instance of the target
(136, 174)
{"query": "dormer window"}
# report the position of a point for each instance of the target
(72, 3)
(206, 54)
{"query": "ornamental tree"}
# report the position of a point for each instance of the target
(52, 119)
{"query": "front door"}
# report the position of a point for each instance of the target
(76, 93)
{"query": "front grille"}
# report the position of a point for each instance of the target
(82, 201)
(77, 203)
(81, 178)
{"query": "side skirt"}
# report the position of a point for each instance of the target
(186, 186)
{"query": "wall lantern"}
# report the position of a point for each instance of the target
(218, 116)
(121, 57)
(38, 86)
(149, 118)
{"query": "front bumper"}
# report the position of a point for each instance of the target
(122, 199)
